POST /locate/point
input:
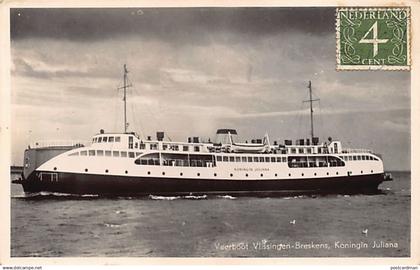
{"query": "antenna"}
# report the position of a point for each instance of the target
(125, 86)
(311, 108)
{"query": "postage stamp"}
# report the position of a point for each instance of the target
(373, 38)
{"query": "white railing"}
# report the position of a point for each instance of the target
(58, 143)
(349, 150)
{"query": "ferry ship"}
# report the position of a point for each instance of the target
(126, 164)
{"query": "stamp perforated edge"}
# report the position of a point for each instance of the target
(340, 67)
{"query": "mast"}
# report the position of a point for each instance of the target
(125, 86)
(311, 109)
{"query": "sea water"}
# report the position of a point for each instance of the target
(60, 225)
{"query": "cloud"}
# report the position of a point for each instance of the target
(175, 25)
(192, 79)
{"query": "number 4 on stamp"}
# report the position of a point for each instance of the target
(373, 38)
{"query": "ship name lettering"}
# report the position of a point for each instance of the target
(350, 245)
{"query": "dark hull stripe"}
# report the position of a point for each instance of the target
(74, 183)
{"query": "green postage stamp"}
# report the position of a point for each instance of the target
(373, 38)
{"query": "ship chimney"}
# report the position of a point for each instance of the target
(160, 135)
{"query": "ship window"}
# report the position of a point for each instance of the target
(117, 139)
(243, 159)
(309, 150)
(215, 174)
(278, 159)
(153, 146)
(74, 154)
(185, 148)
(115, 153)
(283, 159)
(105, 139)
(165, 146)
(231, 159)
(123, 154)
(136, 145)
(130, 142)
(83, 153)
(363, 157)
(131, 154)
(196, 148)
(100, 152)
(359, 157)
(273, 159)
(231, 174)
(181, 174)
(246, 175)
(138, 154)
(300, 150)
(219, 158)
(350, 158)
(249, 159)
(267, 159)
(100, 139)
(261, 159)
(111, 139)
(142, 146)
(238, 159)
(262, 175)
(293, 150)
(375, 158)
(225, 158)
(94, 140)
(256, 159)
(108, 153)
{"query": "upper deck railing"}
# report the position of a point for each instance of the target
(58, 143)
(349, 150)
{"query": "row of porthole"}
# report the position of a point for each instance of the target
(275, 175)
(231, 175)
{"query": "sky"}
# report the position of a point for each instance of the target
(195, 70)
